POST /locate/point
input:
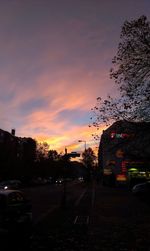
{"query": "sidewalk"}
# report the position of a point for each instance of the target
(117, 223)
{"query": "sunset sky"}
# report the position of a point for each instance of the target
(55, 57)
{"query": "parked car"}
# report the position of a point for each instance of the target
(10, 184)
(142, 189)
(15, 210)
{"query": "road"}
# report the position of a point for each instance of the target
(94, 218)
(47, 198)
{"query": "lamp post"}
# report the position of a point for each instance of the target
(84, 142)
(65, 165)
(86, 164)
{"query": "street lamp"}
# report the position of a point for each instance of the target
(87, 175)
(84, 142)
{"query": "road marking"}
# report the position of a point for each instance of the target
(81, 220)
(80, 198)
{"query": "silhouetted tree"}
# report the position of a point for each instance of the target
(42, 151)
(131, 72)
(88, 159)
(53, 155)
(132, 66)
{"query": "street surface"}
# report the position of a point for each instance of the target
(45, 199)
(93, 218)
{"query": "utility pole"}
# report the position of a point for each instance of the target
(65, 163)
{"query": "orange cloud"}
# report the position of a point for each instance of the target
(44, 124)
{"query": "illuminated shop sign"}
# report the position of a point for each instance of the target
(121, 177)
(119, 153)
(115, 135)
